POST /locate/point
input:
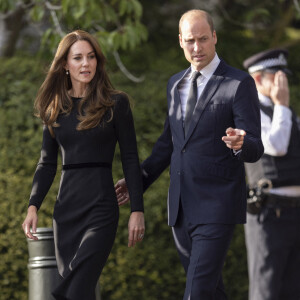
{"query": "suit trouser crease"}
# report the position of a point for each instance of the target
(202, 250)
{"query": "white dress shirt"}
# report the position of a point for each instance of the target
(275, 135)
(185, 83)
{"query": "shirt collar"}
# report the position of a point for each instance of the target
(208, 70)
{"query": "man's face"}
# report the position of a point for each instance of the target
(197, 41)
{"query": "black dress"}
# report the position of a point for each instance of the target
(86, 212)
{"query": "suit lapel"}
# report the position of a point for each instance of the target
(175, 112)
(206, 96)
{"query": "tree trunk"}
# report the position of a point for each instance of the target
(10, 25)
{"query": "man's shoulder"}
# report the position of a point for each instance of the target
(232, 72)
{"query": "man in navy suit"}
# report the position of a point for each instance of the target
(206, 152)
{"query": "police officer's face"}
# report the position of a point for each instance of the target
(267, 80)
(274, 85)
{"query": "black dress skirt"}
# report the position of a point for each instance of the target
(86, 213)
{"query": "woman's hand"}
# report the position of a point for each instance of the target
(30, 222)
(136, 228)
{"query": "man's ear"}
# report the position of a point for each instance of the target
(215, 37)
(180, 40)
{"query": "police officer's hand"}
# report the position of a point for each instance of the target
(280, 93)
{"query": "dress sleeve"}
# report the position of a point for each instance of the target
(129, 155)
(46, 169)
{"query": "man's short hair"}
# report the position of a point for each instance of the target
(197, 13)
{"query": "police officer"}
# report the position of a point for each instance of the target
(273, 228)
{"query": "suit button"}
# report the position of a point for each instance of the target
(178, 173)
(183, 150)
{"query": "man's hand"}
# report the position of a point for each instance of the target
(122, 192)
(136, 228)
(234, 138)
(279, 92)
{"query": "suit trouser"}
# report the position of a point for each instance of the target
(202, 250)
(273, 247)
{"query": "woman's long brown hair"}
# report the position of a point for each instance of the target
(53, 98)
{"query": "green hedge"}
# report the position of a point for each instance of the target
(20, 138)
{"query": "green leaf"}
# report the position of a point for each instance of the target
(110, 14)
(65, 5)
(79, 12)
(137, 7)
(6, 5)
(123, 6)
(124, 40)
(36, 14)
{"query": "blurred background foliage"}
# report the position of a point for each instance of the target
(140, 40)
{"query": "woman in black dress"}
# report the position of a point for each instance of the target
(84, 117)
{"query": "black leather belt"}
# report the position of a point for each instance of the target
(282, 201)
(87, 165)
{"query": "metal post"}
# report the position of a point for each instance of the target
(42, 266)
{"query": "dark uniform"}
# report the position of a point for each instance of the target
(273, 218)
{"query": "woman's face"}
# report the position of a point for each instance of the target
(81, 63)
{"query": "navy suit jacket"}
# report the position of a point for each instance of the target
(205, 175)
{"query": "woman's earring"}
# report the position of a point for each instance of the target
(67, 72)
